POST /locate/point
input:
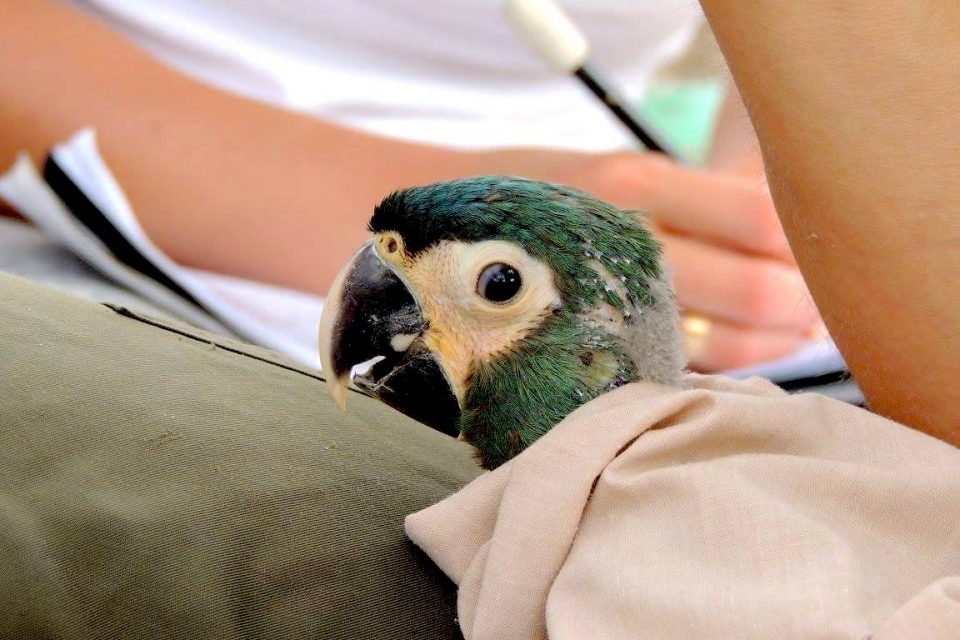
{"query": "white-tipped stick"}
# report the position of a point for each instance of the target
(549, 32)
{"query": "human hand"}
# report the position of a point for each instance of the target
(741, 294)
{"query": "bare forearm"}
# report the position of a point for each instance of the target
(855, 107)
(218, 181)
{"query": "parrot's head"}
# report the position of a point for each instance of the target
(498, 305)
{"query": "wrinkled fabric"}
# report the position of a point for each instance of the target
(723, 509)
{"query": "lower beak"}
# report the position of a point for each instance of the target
(369, 313)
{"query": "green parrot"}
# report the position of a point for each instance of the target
(496, 306)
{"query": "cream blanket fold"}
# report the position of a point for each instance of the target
(723, 509)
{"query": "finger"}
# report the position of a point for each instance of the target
(714, 345)
(728, 210)
(746, 290)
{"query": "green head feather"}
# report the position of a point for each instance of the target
(566, 228)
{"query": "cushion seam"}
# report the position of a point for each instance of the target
(128, 313)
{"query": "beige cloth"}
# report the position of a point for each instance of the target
(723, 510)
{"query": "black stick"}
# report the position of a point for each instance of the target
(632, 121)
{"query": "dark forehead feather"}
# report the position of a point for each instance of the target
(473, 209)
(565, 227)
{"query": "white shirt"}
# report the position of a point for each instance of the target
(448, 72)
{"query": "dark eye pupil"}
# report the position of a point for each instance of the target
(499, 282)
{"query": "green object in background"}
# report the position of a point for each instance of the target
(685, 113)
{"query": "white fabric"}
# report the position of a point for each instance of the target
(449, 72)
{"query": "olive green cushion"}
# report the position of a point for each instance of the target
(160, 482)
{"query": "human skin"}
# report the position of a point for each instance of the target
(855, 106)
(232, 185)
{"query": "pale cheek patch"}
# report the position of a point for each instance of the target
(464, 327)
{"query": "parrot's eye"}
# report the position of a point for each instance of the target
(499, 282)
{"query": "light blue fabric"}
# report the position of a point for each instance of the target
(686, 114)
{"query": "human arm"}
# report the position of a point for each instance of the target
(857, 122)
(218, 181)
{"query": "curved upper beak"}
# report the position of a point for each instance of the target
(369, 312)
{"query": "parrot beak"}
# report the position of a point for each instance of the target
(369, 312)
